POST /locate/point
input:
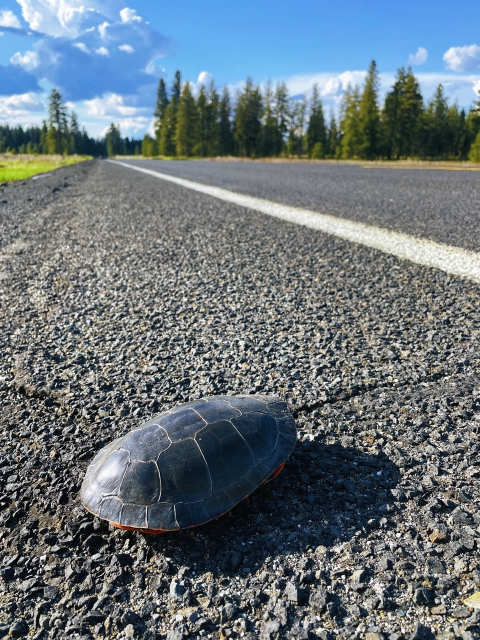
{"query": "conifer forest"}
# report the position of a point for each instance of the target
(266, 122)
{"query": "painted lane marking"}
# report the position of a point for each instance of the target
(453, 260)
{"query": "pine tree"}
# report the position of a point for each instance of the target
(435, 126)
(369, 115)
(247, 127)
(332, 138)
(474, 155)
(44, 138)
(269, 124)
(114, 141)
(350, 123)
(401, 116)
(202, 132)
(457, 136)
(52, 140)
(316, 132)
(58, 132)
(282, 117)
(186, 134)
(166, 133)
(160, 110)
(167, 129)
(208, 126)
(473, 123)
(296, 129)
(225, 125)
(75, 142)
(213, 113)
(162, 100)
(177, 86)
(149, 146)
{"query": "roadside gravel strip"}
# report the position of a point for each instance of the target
(122, 296)
(419, 250)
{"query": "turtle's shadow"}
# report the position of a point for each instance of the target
(326, 494)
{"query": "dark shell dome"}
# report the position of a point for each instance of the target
(190, 464)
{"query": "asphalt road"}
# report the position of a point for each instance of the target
(439, 205)
(122, 295)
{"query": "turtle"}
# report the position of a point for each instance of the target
(191, 464)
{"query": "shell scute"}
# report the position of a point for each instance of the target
(110, 509)
(91, 499)
(184, 473)
(260, 431)
(107, 477)
(217, 504)
(248, 404)
(227, 454)
(162, 516)
(141, 483)
(188, 512)
(181, 424)
(259, 474)
(241, 490)
(217, 410)
(134, 515)
(146, 443)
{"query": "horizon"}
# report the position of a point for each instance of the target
(106, 57)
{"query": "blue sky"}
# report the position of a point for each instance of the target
(106, 56)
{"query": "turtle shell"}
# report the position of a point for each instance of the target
(190, 464)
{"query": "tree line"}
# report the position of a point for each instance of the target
(61, 134)
(263, 123)
(269, 123)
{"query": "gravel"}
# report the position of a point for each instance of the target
(123, 296)
(440, 205)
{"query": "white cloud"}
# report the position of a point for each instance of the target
(102, 29)
(133, 125)
(110, 105)
(204, 77)
(129, 15)
(463, 58)
(29, 60)
(18, 106)
(128, 126)
(154, 69)
(420, 57)
(330, 85)
(72, 28)
(9, 19)
(476, 87)
(66, 18)
(82, 46)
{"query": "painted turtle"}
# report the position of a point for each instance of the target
(191, 464)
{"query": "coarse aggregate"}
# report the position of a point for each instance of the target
(438, 205)
(122, 296)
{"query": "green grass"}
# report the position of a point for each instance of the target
(25, 166)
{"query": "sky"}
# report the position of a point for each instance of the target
(106, 56)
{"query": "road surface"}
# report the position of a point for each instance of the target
(123, 294)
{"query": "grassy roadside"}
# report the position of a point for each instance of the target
(20, 167)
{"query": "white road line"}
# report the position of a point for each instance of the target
(454, 260)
